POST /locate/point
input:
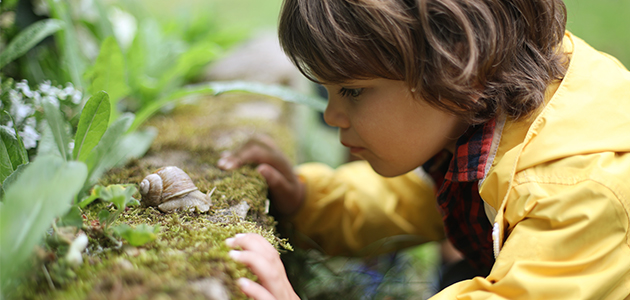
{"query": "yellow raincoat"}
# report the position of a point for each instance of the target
(557, 191)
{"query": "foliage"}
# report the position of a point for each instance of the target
(25, 107)
(216, 88)
(28, 38)
(138, 236)
(59, 172)
(92, 125)
(108, 74)
(121, 197)
(43, 192)
(12, 151)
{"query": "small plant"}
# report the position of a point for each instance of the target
(120, 196)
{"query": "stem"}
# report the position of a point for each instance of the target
(48, 279)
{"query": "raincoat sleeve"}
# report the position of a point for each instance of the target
(354, 211)
(566, 240)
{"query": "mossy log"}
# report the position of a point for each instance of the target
(189, 259)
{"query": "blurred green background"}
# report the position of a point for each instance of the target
(605, 24)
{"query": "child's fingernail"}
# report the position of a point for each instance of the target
(240, 235)
(234, 254)
(221, 162)
(226, 163)
(230, 242)
(243, 282)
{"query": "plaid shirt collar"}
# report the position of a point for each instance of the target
(471, 154)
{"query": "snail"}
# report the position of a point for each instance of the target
(170, 188)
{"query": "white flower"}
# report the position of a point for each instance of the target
(74, 94)
(37, 98)
(74, 252)
(77, 96)
(125, 26)
(24, 88)
(45, 87)
(15, 97)
(52, 99)
(19, 110)
(29, 135)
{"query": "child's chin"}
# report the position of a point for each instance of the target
(387, 171)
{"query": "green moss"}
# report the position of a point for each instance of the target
(189, 246)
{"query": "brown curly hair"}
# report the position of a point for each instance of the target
(474, 58)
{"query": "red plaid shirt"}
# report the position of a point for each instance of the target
(458, 175)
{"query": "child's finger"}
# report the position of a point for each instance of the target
(283, 190)
(254, 243)
(254, 290)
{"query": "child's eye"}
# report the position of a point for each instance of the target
(352, 93)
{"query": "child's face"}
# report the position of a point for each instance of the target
(381, 122)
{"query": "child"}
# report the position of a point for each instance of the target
(523, 129)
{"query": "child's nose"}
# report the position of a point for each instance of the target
(334, 114)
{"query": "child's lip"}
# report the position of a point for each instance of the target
(353, 149)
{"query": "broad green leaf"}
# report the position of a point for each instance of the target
(42, 193)
(22, 155)
(98, 160)
(216, 88)
(92, 125)
(95, 194)
(138, 236)
(108, 74)
(131, 145)
(125, 147)
(58, 126)
(12, 151)
(72, 218)
(28, 38)
(118, 194)
(12, 178)
(47, 144)
(6, 166)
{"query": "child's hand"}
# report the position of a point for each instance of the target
(264, 261)
(285, 190)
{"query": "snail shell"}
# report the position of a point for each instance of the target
(170, 188)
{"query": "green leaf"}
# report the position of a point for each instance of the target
(103, 24)
(217, 88)
(278, 91)
(92, 125)
(47, 144)
(12, 178)
(43, 192)
(12, 151)
(98, 160)
(74, 61)
(58, 126)
(191, 61)
(138, 236)
(72, 218)
(28, 38)
(118, 194)
(108, 74)
(95, 194)
(103, 216)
